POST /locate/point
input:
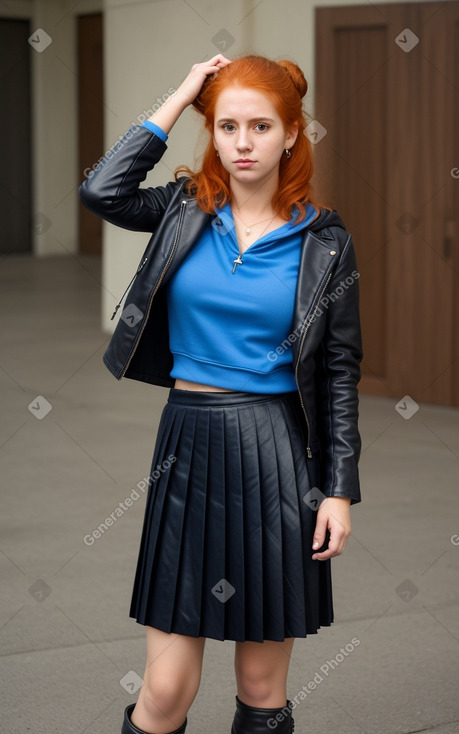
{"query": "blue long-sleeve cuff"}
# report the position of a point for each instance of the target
(155, 129)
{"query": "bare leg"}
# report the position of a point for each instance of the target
(261, 672)
(171, 681)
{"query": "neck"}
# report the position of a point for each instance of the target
(252, 201)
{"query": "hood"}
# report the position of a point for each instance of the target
(325, 220)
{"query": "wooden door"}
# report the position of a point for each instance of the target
(387, 92)
(15, 135)
(90, 121)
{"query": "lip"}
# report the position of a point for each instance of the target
(244, 162)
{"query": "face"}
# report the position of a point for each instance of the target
(249, 135)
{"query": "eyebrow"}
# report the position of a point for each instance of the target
(254, 119)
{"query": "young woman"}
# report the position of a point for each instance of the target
(245, 304)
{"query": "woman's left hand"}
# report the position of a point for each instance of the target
(334, 515)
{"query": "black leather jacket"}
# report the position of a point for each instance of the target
(325, 337)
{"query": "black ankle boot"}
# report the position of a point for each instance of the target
(129, 728)
(250, 720)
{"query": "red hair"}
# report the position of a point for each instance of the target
(284, 83)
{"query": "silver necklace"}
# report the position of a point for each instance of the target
(238, 260)
(248, 228)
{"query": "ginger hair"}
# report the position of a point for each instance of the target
(284, 83)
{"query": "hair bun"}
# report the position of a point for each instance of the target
(296, 76)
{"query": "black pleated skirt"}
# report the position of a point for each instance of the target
(226, 545)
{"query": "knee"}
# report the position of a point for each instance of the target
(256, 684)
(165, 696)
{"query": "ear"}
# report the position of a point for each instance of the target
(291, 136)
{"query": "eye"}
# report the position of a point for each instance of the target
(261, 127)
(228, 127)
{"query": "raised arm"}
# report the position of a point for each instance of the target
(169, 112)
(112, 189)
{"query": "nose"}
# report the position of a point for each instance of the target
(243, 141)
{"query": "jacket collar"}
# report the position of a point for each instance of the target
(321, 248)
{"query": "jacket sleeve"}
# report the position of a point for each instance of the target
(112, 191)
(340, 356)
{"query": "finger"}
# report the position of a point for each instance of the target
(319, 532)
(213, 65)
(329, 553)
(336, 545)
(219, 59)
(206, 67)
(325, 555)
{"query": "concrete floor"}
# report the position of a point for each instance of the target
(66, 639)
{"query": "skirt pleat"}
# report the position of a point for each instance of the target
(251, 524)
(233, 572)
(226, 544)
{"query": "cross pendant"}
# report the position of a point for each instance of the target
(237, 262)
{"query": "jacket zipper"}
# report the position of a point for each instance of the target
(309, 321)
(160, 280)
(131, 282)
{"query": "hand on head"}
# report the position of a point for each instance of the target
(199, 73)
